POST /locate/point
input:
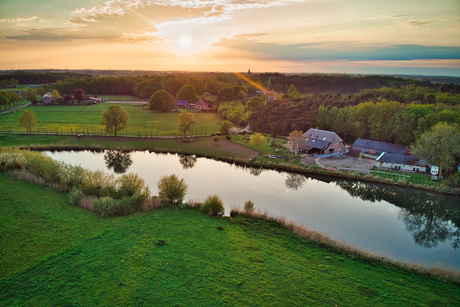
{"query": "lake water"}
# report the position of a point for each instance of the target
(402, 224)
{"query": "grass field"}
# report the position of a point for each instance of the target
(119, 98)
(63, 255)
(413, 177)
(81, 118)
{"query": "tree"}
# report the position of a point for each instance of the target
(225, 127)
(55, 95)
(79, 95)
(213, 206)
(171, 190)
(28, 120)
(114, 118)
(294, 135)
(291, 89)
(187, 92)
(440, 146)
(186, 122)
(256, 140)
(255, 102)
(31, 95)
(248, 207)
(161, 101)
(295, 95)
(225, 94)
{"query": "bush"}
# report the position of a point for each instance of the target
(75, 196)
(108, 206)
(213, 206)
(171, 190)
(216, 138)
(248, 207)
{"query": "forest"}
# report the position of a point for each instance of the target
(381, 108)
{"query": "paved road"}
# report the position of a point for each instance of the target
(24, 105)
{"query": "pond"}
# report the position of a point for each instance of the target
(402, 224)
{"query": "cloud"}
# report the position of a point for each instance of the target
(61, 35)
(19, 19)
(411, 24)
(327, 51)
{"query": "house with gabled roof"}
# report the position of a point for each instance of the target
(200, 104)
(320, 142)
(376, 148)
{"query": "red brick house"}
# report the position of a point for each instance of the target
(200, 104)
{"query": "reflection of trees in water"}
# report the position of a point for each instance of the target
(430, 217)
(427, 229)
(118, 161)
(295, 181)
(187, 161)
(256, 171)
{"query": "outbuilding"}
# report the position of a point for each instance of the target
(401, 162)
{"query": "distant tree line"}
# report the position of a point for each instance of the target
(38, 78)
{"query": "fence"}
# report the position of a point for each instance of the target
(100, 132)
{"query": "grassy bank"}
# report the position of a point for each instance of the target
(250, 262)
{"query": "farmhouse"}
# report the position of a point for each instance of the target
(376, 148)
(319, 142)
(401, 162)
(200, 104)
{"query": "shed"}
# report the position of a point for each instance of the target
(376, 148)
(401, 162)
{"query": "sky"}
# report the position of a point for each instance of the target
(417, 37)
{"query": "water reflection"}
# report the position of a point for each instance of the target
(431, 218)
(187, 162)
(256, 171)
(295, 181)
(118, 160)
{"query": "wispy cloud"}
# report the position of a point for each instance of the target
(18, 19)
(332, 51)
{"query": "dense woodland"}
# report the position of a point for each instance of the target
(381, 108)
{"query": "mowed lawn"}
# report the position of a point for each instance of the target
(54, 254)
(88, 118)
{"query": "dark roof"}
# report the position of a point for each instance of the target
(401, 159)
(322, 135)
(309, 144)
(182, 102)
(381, 146)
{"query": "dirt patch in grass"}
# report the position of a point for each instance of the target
(348, 162)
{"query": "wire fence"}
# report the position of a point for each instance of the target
(100, 132)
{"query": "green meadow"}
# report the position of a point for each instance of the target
(54, 254)
(88, 118)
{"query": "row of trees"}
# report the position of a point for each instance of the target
(7, 99)
(9, 83)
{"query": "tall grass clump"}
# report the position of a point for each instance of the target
(213, 205)
(172, 190)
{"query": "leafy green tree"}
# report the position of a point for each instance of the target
(171, 190)
(255, 102)
(213, 205)
(295, 95)
(257, 140)
(115, 118)
(187, 92)
(186, 122)
(225, 94)
(55, 95)
(225, 127)
(4, 99)
(291, 89)
(161, 101)
(31, 95)
(440, 146)
(28, 120)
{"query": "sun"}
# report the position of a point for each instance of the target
(185, 41)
